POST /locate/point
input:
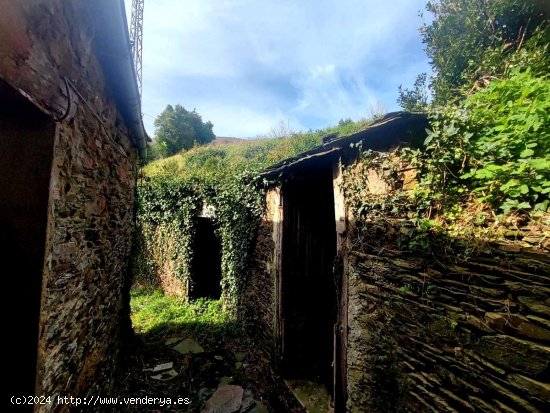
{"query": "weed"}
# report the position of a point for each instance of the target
(153, 313)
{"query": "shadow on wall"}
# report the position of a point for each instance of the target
(160, 259)
(26, 139)
(453, 324)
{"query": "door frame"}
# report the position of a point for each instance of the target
(339, 275)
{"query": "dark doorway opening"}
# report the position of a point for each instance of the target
(308, 292)
(26, 141)
(206, 266)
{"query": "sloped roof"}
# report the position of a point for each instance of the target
(392, 130)
(112, 41)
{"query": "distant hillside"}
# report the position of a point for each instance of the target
(224, 158)
(220, 140)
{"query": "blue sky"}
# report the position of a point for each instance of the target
(247, 65)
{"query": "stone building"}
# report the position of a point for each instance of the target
(341, 303)
(71, 133)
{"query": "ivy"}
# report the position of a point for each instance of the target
(494, 145)
(239, 205)
(166, 222)
(165, 228)
(387, 170)
(484, 166)
(225, 177)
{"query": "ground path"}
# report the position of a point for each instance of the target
(216, 367)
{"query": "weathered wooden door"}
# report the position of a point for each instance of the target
(308, 292)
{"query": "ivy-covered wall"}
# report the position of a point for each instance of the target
(163, 242)
(168, 208)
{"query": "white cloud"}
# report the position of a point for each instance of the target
(245, 64)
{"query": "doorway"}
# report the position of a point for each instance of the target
(26, 141)
(308, 294)
(206, 265)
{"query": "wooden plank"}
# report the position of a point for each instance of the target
(275, 213)
(341, 280)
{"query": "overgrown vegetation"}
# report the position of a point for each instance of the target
(484, 166)
(224, 177)
(153, 312)
(500, 140)
(486, 160)
(473, 41)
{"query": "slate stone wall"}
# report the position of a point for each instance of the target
(259, 306)
(90, 212)
(462, 328)
(85, 274)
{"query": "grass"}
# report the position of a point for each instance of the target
(153, 312)
(225, 160)
(229, 356)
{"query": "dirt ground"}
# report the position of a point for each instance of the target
(196, 376)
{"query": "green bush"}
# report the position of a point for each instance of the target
(469, 40)
(495, 144)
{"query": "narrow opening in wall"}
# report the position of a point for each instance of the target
(206, 266)
(308, 289)
(26, 141)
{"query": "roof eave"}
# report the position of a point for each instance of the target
(387, 122)
(114, 51)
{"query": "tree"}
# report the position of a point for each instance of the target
(178, 129)
(415, 99)
(157, 150)
(463, 34)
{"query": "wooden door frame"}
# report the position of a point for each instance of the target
(275, 199)
(341, 284)
(340, 277)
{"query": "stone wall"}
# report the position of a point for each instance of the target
(85, 276)
(260, 293)
(462, 328)
(90, 210)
